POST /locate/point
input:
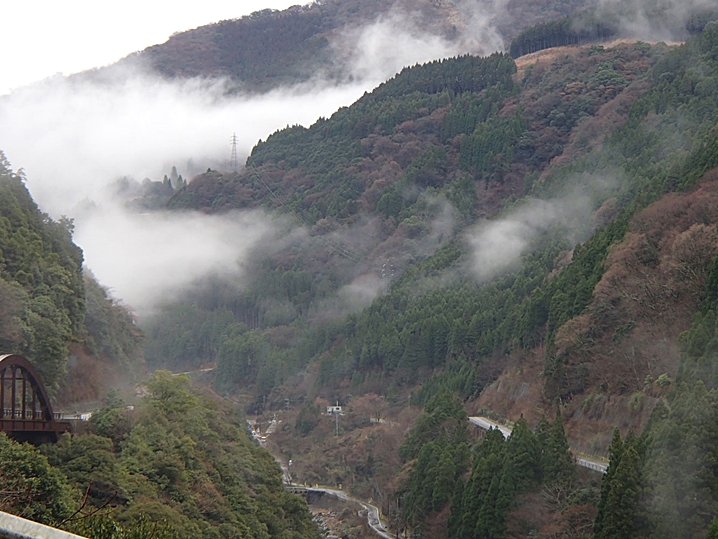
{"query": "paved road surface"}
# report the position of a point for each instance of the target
(587, 462)
(486, 424)
(372, 512)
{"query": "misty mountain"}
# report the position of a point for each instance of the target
(606, 20)
(82, 341)
(529, 235)
(270, 48)
(77, 336)
(424, 156)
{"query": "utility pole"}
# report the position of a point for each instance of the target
(233, 161)
(336, 420)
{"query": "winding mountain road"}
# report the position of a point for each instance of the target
(372, 512)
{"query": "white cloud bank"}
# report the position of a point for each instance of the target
(148, 258)
(498, 245)
(74, 137)
(379, 50)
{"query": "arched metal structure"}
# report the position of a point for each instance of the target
(26, 413)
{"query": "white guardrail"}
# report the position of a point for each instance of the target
(586, 462)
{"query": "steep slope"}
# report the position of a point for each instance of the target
(183, 459)
(273, 48)
(41, 278)
(62, 321)
(576, 300)
(623, 352)
(180, 464)
(428, 127)
(603, 21)
(382, 184)
(619, 324)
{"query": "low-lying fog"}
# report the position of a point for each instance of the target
(75, 136)
(74, 139)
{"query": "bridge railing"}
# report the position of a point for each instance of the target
(9, 413)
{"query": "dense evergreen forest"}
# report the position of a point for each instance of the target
(535, 239)
(599, 23)
(47, 303)
(454, 135)
(660, 482)
(629, 131)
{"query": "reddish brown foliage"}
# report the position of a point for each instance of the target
(648, 293)
(88, 378)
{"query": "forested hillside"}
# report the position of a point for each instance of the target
(588, 290)
(42, 286)
(249, 51)
(50, 310)
(604, 21)
(532, 238)
(406, 168)
(179, 465)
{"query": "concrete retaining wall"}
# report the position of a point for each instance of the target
(12, 527)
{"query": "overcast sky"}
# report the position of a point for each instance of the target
(45, 37)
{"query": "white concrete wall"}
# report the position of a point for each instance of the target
(12, 527)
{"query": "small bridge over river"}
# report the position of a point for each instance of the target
(25, 411)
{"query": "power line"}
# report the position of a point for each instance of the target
(233, 160)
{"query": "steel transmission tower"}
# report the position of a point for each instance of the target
(233, 161)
